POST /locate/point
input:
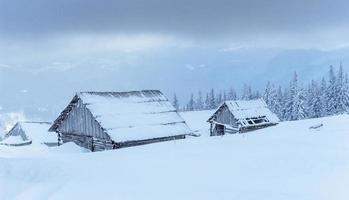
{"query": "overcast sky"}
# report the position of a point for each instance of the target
(77, 26)
(118, 45)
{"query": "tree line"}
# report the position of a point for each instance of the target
(325, 97)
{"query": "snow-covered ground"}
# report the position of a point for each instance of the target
(287, 161)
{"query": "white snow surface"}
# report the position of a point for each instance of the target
(38, 132)
(34, 131)
(285, 162)
(135, 115)
(14, 140)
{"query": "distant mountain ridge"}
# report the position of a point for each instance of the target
(43, 91)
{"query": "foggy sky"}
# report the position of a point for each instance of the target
(53, 48)
(207, 21)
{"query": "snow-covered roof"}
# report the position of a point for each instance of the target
(36, 132)
(251, 108)
(135, 115)
(245, 109)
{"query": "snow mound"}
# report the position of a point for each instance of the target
(283, 162)
(69, 147)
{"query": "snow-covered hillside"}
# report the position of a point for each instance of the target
(287, 161)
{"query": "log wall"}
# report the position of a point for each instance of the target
(88, 142)
(80, 121)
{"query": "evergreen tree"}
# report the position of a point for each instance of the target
(322, 94)
(270, 97)
(331, 93)
(296, 101)
(213, 101)
(256, 95)
(199, 102)
(346, 90)
(279, 104)
(207, 102)
(247, 93)
(175, 102)
(267, 91)
(219, 98)
(314, 101)
(232, 94)
(341, 97)
(225, 97)
(191, 103)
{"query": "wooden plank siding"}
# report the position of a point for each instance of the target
(80, 121)
(224, 116)
(219, 119)
(81, 127)
(88, 142)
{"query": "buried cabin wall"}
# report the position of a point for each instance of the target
(81, 127)
(224, 116)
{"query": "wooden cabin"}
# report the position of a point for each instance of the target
(109, 120)
(241, 116)
(26, 133)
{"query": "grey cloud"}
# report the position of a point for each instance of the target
(185, 18)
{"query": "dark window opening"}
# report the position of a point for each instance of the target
(258, 121)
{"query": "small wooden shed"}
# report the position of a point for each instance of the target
(26, 133)
(241, 116)
(109, 120)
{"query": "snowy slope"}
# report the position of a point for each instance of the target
(288, 161)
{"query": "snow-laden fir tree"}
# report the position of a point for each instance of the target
(279, 104)
(341, 98)
(175, 102)
(266, 94)
(191, 103)
(207, 102)
(331, 92)
(219, 98)
(199, 102)
(256, 95)
(295, 101)
(232, 94)
(322, 93)
(315, 107)
(225, 97)
(212, 100)
(346, 89)
(270, 97)
(246, 92)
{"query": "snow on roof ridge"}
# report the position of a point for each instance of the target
(136, 114)
(119, 93)
(33, 122)
(242, 109)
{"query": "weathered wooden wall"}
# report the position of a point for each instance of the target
(224, 116)
(88, 142)
(217, 130)
(80, 121)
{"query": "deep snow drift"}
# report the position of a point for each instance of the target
(287, 161)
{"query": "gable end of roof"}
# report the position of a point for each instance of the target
(63, 115)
